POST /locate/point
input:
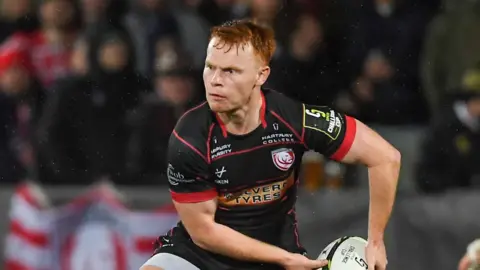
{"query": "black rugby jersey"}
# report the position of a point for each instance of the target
(254, 176)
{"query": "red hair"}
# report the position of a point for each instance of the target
(239, 33)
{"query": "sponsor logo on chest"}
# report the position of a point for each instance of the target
(221, 179)
(221, 150)
(283, 158)
(278, 138)
(261, 194)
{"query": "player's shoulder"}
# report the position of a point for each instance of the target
(278, 100)
(194, 120)
(191, 130)
(283, 106)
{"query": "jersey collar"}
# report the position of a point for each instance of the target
(263, 109)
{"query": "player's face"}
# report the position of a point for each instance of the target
(230, 75)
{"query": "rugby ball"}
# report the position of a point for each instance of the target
(346, 253)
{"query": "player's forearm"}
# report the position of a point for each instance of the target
(383, 185)
(223, 240)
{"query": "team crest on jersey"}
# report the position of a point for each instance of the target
(283, 158)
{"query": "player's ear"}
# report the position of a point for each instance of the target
(263, 74)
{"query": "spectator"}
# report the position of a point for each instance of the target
(450, 155)
(451, 47)
(83, 131)
(154, 120)
(49, 48)
(383, 56)
(304, 69)
(17, 16)
(100, 15)
(78, 61)
(280, 15)
(194, 30)
(21, 99)
(147, 21)
(218, 11)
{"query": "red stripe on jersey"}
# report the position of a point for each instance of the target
(194, 197)
(191, 110)
(189, 145)
(351, 130)
(253, 149)
(181, 139)
(285, 122)
(209, 159)
(222, 125)
(263, 110)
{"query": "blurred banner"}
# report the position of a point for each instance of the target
(96, 231)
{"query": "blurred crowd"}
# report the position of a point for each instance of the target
(92, 88)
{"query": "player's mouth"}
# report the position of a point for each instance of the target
(217, 97)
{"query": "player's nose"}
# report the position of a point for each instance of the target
(216, 79)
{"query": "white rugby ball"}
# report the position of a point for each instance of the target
(346, 253)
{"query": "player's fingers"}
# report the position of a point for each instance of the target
(370, 256)
(464, 263)
(381, 267)
(371, 262)
(317, 263)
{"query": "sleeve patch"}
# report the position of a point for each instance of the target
(175, 178)
(322, 119)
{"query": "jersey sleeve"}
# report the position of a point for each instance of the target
(187, 172)
(327, 131)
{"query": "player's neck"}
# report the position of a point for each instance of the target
(245, 119)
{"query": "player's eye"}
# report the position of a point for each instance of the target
(208, 66)
(229, 70)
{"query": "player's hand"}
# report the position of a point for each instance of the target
(300, 262)
(471, 257)
(464, 263)
(376, 255)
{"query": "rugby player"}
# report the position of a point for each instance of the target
(234, 163)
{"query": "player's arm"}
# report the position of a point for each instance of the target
(195, 199)
(199, 220)
(348, 140)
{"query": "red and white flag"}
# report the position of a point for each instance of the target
(93, 232)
